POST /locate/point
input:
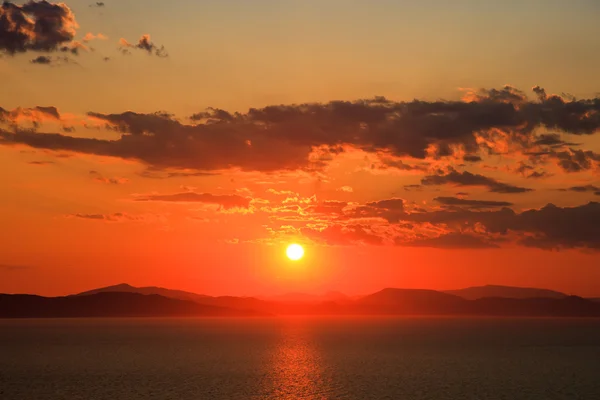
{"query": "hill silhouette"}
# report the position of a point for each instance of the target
(124, 287)
(129, 301)
(108, 304)
(511, 292)
(298, 298)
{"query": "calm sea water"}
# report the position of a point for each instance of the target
(300, 358)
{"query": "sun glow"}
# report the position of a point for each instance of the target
(294, 252)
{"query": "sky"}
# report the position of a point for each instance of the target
(408, 144)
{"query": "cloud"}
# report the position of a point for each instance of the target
(466, 178)
(471, 158)
(552, 140)
(14, 267)
(548, 227)
(584, 189)
(225, 201)
(155, 173)
(41, 162)
(391, 163)
(282, 192)
(455, 201)
(36, 26)
(115, 217)
(453, 240)
(112, 181)
(47, 60)
(471, 224)
(284, 137)
(327, 207)
(389, 204)
(572, 160)
(343, 235)
(42, 60)
(144, 43)
(35, 115)
(346, 189)
(391, 210)
(90, 36)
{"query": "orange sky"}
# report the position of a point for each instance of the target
(178, 161)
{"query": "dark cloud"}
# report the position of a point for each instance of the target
(391, 210)
(33, 114)
(455, 240)
(389, 204)
(42, 60)
(46, 60)
(343, 235)
(386, 163)
(283, 137)
(548, 227)
(471, 223)
(455, 201)
(155, 173)
(98, 177)
(41, 162)
(327, 207)
(529, 172)
(35, 26)
(583, 189)
(115, 217)
(413, 187)
(144, 43)
(552, 140)
(507, 94)
(538, 175)
(576, 160)
(226, 201)
(14, 267)
(471, 158)
(466, 178)
(51, 111)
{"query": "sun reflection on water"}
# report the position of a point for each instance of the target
(296, 364)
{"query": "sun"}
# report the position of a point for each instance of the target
(294, 252)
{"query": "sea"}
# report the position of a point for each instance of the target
(300, 358)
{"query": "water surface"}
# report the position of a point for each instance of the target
(296, 358)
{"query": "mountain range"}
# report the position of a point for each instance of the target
(124, 300)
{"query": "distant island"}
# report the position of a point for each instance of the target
(124, 300)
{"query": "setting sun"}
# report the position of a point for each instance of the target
(294, 252)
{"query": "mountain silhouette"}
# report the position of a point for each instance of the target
(108, 304)
(510, 292)
(298, 298)
(124, 287)
(128, 301)
(410, 301)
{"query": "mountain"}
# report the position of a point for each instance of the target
(108, 304)
(309, 298)
(240, 303)
(410, 301)
(127, 301)
(570, 306)
(429, 302)
(124, 287)
(509, 292)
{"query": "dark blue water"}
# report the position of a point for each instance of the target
(300, 358)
